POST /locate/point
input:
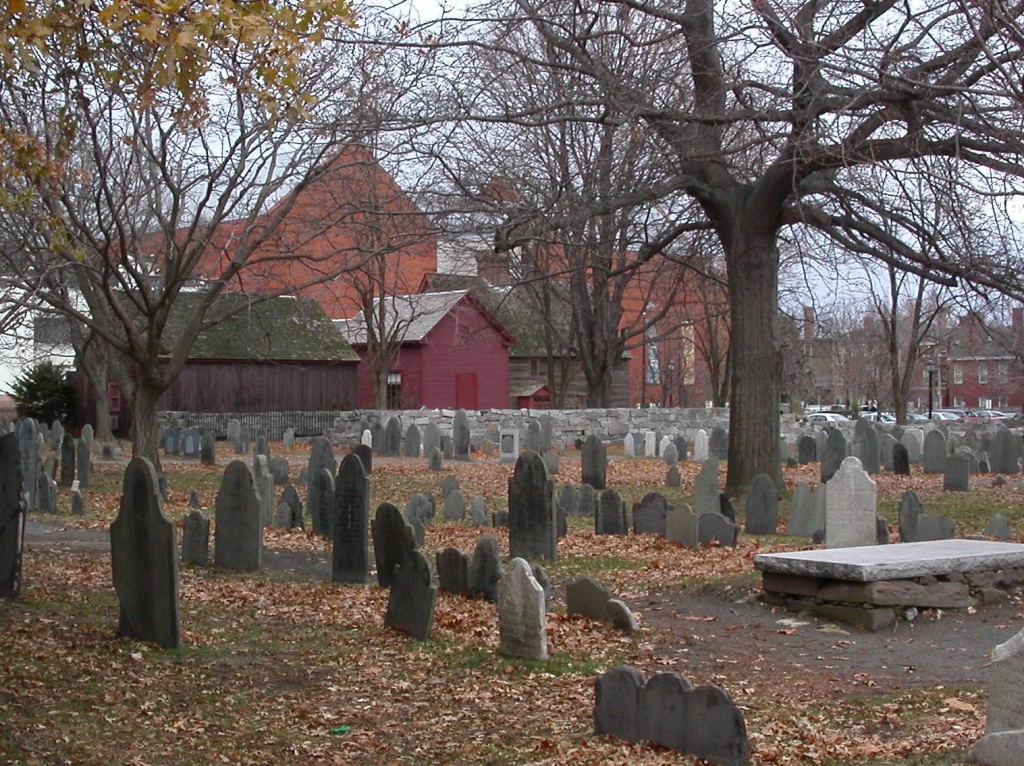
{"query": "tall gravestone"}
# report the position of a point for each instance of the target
(393, 437)
(835, 452)
(594, 461)
(460, 435)
(412, 441)
(628, 447)
(144, 560)
(610, 518)
(350, 559)
(933, 454)
(1003, 743)
(522, 621)
(718, 443)
(12, 517)
(195, 541)
(533, 436)
(264, 488)
(900, 459)
(84, 456)
(850, 507)
(1005, 453)
(531, 510)
(28, 446)
(238, 532)
(701, 452)
(705, 488)
(208, 449)
(321, 503)
(67, 460)
(762, 506)
(870, 454)
(321, 458)
(392, 540)
(412, 598)
(431, 438)
(365, 455)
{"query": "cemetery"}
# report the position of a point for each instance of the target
(424, 597)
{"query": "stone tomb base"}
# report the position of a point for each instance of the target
(872, 586)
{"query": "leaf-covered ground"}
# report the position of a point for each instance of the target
(286, 668)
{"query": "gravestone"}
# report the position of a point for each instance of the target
(916, 526)
(762, 512)
(667, 710)
(420, 508)
(350, 557)
(453, 571)
(522, 621)
(392, 541)
(431, 438)
(195, 541)
(193, 499)
(288, 438)
(628, 448)
(670, 454)
(412, 441)
(650, 443)
(998, 526)
(378, 437)
(393, 437)
(933, 453)
(144, 560)
(28, 455)
(913, 440)
(278, 468)
(621, 617)
(681, 526)
(460, 435)
(238, 532)
(365, 455)
(546, 433)
(716, 528)
(650, 515)
(233, 433)
(957, 476)
(672, 477)
(264, 488)
(56, 435)
(551, 462)
(586, 501)
(508, 445)
(718, 443)
(807, 518)
(321, 458)
(449, 483)
(244, 438)
(568, 498)
(190, 442)
(1004, 455)
(448, 447)
(46, 494)
(806, 450)
(262, 446)
(835, 453)
(454, 506)
(533, 436)
(290, 498)
(610, 517)
(886, 444)
(84, 456)
(77, 503)
(12, 517)
(88, 436)
(366, 438)
(725, 507)
(321, 503)
(594, 460)
(478, 511)
(701, 451)
(1003, 743)
(850, 507)
(172, 441)
(485, 569)
(587, 597)
(67, 460)
(434, 459)
(207, 449)
(531, 510)
(705, 488)
(870, 456)
(412, 598)
(900, 459)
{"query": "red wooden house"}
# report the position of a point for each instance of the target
(452, 353)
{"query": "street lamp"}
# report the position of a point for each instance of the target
(931, 385)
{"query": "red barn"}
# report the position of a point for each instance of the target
(452, 353)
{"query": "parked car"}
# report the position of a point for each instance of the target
(913, 417)
(944, 415)
(988, 415)
(879, 417)
(826, 417)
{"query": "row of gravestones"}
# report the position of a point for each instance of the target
(389, 440)
(42, 472)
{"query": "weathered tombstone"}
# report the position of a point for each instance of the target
(193, 499)
(448, 447)
(670, 454)
(850, 507)
(290, 498)
(453, 571)
(321, 458)
(718, 443)
(587, 597)
(508, 445)
(366, 438)
(288, 438)
(264, 488)
(900, 459)
(378, 435)
(998, 526)
(715, 527)
(412, 441)
(172, 441)
(762, 513)
(412, 598)
(807, 517)
(668, 711)
(701, 450)
(207, 449)
(67, 460)
(672, 477)
(650, 515)
(621, 617)
(434, 458)
(12, 517)
(531, 510)
(56, 435)
(870, 456)
(917, 526)
(650, 444)
(392, 539)
(610, 518)
(478, 511)
(431, 438)
(1005, 454)
(628, 447)
(350, 558)
(88, 436)
(568, 498)
(454, 506)
(806, 449)
(705, 488)
(279, 468)
(957, 475)
(195, 542)
(546, 433)
(365, 455)
(551, 462)
(681, 526)
(933, 453)
(28, 453)
(913, 440)
(485, 569)
(393, 437)
(321, 502)
(144, 561)
(835, 453)
(1003, 742)
(594, 461)
(449, 483)
(84, 456)
(460, 435)
(46, 494)
(522, 621)
(533, 436)
(77, 503)
(238, 532)
(191, 442)
(586, 501)
(233, 433)
(420, 508)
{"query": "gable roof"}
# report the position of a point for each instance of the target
(276, 329)
(416, 315)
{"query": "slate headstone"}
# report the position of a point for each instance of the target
(453, 571)
(412, 598)
(715, 527)
(454, 506)
(628, 448)
(610, 518)
(485, 569)
(460, 435)
(195, 542)
(522, 620)
(762, 506)
(587, 597)
(900, 459)
(84, 456)
(67, 460)
(650, 515)
(238, 532)
(806, 450)
(478, 511)
(12, 517)
(705, 488)
(998, 526)
(836, 450)
(412, 441)
(290, 498)
(321, 503)
(807, 517)
(531, 510)
(207, 449)
(933, 454)
(321, 458)
(350, 557)
(392, 540)
(957, 474)
(420, 508)
(435, 460)
(393, 437)
(681, 526)
(431, 438)
(701, 450)
(718, 443)
(594, 461)
(1005, 454)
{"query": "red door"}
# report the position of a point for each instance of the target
(465, 391)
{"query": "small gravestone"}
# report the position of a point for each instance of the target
(321, 503)
(916, 526)
(836, 450)
(288, 438)
(667, 710)
(195, 541)
(207, 449)
(705, 488)
(850, 507)
(77, 503)
(377, 437)
(485, 569)
(84, 457)
(933, 453)
(365, 455)
(233, 433)
(568, 498)
(681, 526)
(88, 436)
(957, 474)
(610, 517)
(672, 477)
(107, 452)
(193, 499)
(238, 532)
(447, 447)
(321, 458)
(264, 487)
(431, 438)
(533, 436)
(621, 617)
(350, 557)
(12, 517)
(478, 511)
(46, 494)
(718, 443)
(586, 501)
(806, 450)
(278, 468)
(670, 454)
(454, 506)
(366, 438)
(900, 459)
(807, 517)
(67, 460)
(913, 440)
(144, 561)
(594, 460)
(453, 571)
(393, 437)
(411, 446)
(522, 621)
(998, 526)
(1003, 743)
(460, 435)
(290, 498)
(701, 451)
(587, 597)
(762, 506)
(420, 508)
(551, 461)
(650, 515)
(412, 598)
(716, 528)
(393, 538)
(531, 510)
(449, 483)
(508, 445)
(628, 447)
(434, 458)
(1004, 456)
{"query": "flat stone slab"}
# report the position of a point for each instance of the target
(894, 562)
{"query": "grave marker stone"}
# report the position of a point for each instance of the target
(587, 597)
(321, 503)
(522, 621)
(454, 506)
(957, 476)
(412, 598)
(933, 454)
(650, 515)
(1003, 742)
(238, 533)
(998, 526)
(288, 438)
(551, 462)
(508, 445)
(392, 539)
(1004, 455)
(835, 452)
(393, 437)
(84, 455)
(610, 518)
(705, 488)
(485, 569)
(762, 513)
(681, 526)
(28, 453)
(412, 441)
(807, 518)
(453, 571)
(420, 508)
(350, 558)
(67, 460)
(594, 461)
(460, 435)
(431, 438)
(533, 436)
(701, 450)
(714, 527)
(12, 517)
(434, 458)
(628, 448)
(207, 449)
(290, 498)
(531, 510)
(806, 450)
(900, 459)
(850, 507)
(478, 511)
(77, 503)
(718, 443)
(195, 542)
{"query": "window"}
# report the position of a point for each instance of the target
(1003, 372)
(983, 373)
(958, 402)
(534, 368)
(394, 390)
(652, 372)
(958, 373)
(984, 403)
(1004, 402)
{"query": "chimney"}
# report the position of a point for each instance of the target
(1018, 318)
(809, 323)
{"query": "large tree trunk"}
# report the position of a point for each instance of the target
(756, 362)
(144, 422)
